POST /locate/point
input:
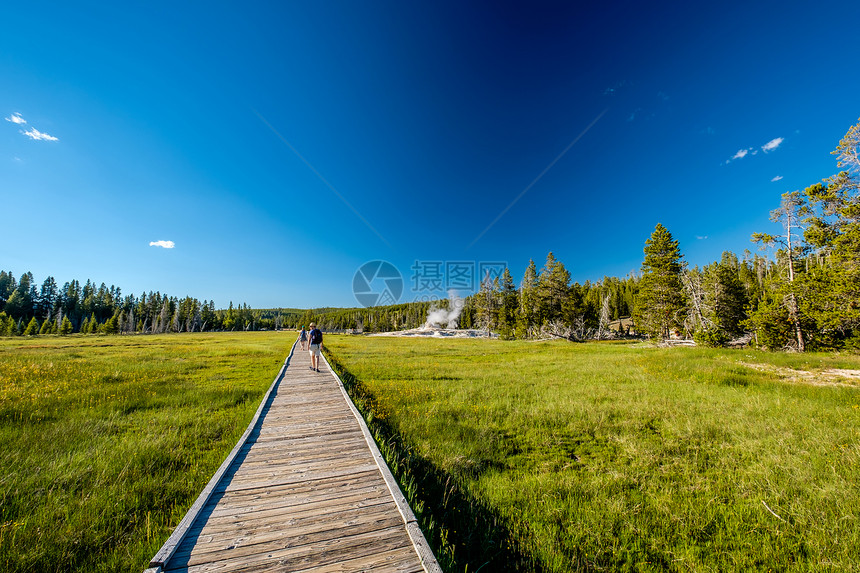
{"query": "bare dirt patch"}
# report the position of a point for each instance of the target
(829, 377)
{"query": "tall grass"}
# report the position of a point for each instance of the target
(616, 457)
(105, 442)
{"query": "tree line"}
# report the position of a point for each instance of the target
(802, 291)
(806, 295)
(27, 309)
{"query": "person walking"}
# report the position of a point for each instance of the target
(303, 338)
(316, 338)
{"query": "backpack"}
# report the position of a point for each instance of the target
(316, 336)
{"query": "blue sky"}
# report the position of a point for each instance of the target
(281, 145)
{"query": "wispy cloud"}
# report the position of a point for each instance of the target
(32, 133)
(701, 237)
(772, 144)
(162, 244)
(777, 178)
(767, 147)
(16, 118)
(37, 135)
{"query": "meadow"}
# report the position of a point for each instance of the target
(554, 456)
(106, 441)
(537, 456)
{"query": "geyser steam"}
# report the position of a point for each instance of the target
(439, 317)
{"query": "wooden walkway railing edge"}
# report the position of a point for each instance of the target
(157, 564)
(425, 554)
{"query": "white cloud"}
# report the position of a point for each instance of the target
(701, 237)
(777, 178)
(767, 147)
(772, 144)
(163, 244)
(16, 118)
(37, 135)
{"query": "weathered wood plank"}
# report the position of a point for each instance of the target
(251, 542)
(294, 459)
(294, 442)
(274, 457)
(395, 561)
(256, 472)
(297, 492)
(328, 442)
(297, 477)
(307, 556)
(281, 514)
(239, 510)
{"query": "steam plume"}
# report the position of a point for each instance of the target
(438, 316)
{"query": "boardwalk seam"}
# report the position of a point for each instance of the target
(169, 548)
(419, 542)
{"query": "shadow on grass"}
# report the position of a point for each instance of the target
(464, 533)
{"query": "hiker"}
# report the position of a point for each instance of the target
(303, 338)
(316, 338)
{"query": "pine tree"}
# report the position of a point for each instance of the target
(553, 286)
(16, 305)
(26, 291)
(509, 306)
(661, 301)
(729, 294)
(7, 287)
(111, 325)
(790, 213)
(528, 315)
(47, 297)
(7, 324)
(229, 320)
(46, 326)
(32, 327)
(66, 327)
(487, 302)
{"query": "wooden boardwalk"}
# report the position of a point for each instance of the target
(305, 489)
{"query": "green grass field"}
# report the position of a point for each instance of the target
(616, 457)
(106, 441)
(515, 455)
